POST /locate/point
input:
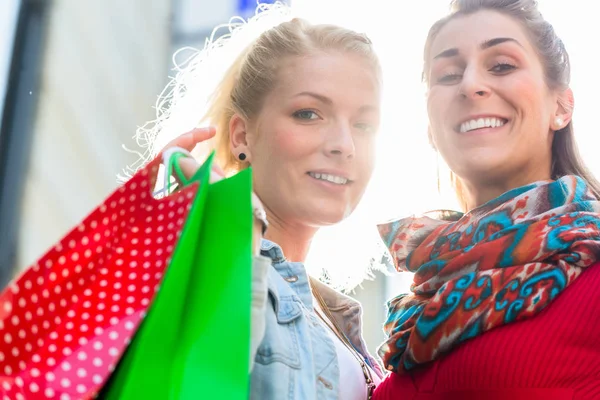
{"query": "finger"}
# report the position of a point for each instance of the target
(202, 134)
(190, 139)
(188, 166)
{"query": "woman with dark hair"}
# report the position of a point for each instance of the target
(505, 301)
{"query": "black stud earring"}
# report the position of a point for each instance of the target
(242, 156)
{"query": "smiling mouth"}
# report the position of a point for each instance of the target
(480, 123)
(337, 180)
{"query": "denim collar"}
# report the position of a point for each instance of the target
(288, 281)
(288, 286)
(272, 250)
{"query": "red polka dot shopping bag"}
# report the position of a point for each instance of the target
(153, 292)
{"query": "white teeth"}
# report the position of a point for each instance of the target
(329, 178)
(481, 123)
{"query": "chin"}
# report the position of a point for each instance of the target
(481, 165)
(481, 173)
(327, 217)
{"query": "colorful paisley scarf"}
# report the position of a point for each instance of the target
(502, 262)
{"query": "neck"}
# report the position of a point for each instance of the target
(478, 193)
(293, 239)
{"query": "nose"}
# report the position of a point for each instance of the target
(473, 85)
(340, 141)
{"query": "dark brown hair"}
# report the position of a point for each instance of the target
(566, 159)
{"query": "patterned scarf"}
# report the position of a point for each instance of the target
(502, 262)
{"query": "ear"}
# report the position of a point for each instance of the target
(564, 110)
(238, 137)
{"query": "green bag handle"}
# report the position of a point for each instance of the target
(173, 168)
(194, 342)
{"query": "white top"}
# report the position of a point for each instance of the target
(353, 385)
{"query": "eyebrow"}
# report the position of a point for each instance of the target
(328, 101)
(453, 52)
(321, 98)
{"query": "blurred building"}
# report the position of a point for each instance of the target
(76, 80)
(82, 76)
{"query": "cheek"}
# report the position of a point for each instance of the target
(436, 128)
(368, 161)
(289, 144)
(366, 150)
(438, 100)
(287, 141)
(529, 93)
(274, 146)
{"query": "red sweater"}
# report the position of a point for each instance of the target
(554, 355)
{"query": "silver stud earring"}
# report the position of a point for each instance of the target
(559, 122)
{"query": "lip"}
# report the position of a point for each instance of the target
(478, 116)
(330, 187)
(339, 173)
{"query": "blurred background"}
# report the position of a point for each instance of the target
(78, 77)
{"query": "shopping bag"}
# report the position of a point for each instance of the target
(194, 342)
(67, 319)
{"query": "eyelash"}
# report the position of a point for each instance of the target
(447, 78)
(499, 68)
(503, 66)
(368, 128)
(362, 126)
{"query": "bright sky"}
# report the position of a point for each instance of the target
(405, 179)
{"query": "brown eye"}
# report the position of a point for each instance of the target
(449, 78)
(501, 68)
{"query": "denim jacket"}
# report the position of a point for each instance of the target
(296, 358)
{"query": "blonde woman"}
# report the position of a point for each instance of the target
(285, 108)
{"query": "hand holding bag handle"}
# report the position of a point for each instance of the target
(194, 341)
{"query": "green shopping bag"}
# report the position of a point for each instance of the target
(194, 342)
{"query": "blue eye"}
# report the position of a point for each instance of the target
(306, 115)
(368, 128)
